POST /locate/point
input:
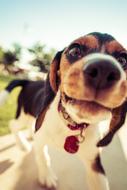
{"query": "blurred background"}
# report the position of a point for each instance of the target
(31, 32)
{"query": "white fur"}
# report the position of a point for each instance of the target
(16, 125)
(3, 96)
(87, 117)
(53, 133)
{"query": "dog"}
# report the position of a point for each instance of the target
(29, 103)
(85, 88)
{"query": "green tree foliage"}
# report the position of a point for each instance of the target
(8, 60)
(1, 55)
(8, 57)
(42, 56)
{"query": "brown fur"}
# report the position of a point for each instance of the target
(89, 41)
(53, 75)
(71, 81)
(40, 119)
(113, 46)
(72, 75)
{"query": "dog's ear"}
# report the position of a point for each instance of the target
(40, 119)
(54, 68)
(118, 119)
(48, 96)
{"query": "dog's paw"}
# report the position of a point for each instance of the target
(49, 181)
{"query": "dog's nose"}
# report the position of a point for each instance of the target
(101, 72)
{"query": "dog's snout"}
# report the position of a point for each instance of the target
(101, 73)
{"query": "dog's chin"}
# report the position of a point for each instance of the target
(85, 111)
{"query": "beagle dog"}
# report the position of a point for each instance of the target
(29, 103)
(84, 105)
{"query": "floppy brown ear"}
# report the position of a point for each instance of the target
(118, 119)
(48, 96)
(53, 75)
(40, 119)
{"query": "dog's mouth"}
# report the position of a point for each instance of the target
(91, 104)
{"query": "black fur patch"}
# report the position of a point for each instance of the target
(119, 116)
(102, 37)
(97, 166)
(31, 98)
(15, 83)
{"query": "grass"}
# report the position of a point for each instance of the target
(7, 111)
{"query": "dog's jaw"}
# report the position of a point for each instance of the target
(85, 112)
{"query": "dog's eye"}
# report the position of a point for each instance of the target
(74, 52)
(123, 60)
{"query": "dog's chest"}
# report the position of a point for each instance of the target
(57, 133)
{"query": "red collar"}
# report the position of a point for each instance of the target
(72, 143)
(78, 126)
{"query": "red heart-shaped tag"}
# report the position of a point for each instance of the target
(71, 144)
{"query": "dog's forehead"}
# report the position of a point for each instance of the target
(88, 40)
(97, 40)
(114, 46)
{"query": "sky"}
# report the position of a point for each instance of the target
(58, 22)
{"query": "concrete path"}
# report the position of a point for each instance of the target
(18, 170)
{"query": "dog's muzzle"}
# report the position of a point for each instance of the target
(101, 71)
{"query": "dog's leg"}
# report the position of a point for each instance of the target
(31, 130)
(96, 176)
(46, 175)
(15, 127)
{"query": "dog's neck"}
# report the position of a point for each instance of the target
(56, 126)
(73, 125)
(68, 120)
(58, 120)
